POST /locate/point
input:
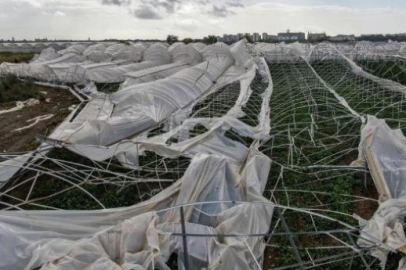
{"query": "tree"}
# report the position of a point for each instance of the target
(211, 39)
(248, 38)
(187, 40)
(172, 39)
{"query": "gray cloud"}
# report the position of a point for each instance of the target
(203, 2)
(235, 4)
(220, 11)
(160, 9)
(168, 5)
(154, 9)
(116, 2)
(147, 13)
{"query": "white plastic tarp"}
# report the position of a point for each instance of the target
(385, 152)
(84, 239)
(141, 106)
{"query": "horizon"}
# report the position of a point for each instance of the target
(148, 20)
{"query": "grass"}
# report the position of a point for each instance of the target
(15, 57)
(393, 69)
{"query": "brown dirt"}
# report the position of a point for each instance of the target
(19, 141)
(366, 209)
(269, 258)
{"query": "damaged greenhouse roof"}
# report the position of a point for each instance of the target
(212, 157)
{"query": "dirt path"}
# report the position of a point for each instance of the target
(18, 141)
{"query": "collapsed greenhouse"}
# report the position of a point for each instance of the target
(265, 156)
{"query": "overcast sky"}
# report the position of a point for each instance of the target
(132, 19)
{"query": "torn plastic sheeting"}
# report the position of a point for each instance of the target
(212, 142)
(141, 106)
(207, 143)
(115, 48)
(385, 226)
(99, 47)
(199, 46)
(96, 53)
(264, 116)
(186, 54)
(174, 45)
(89, 72)
(98, 57)
(385, 152)
(157, 53)
(45, 56)
(152, 74)
(39, 237)
(240, 54)
(99, 132)
(128, 151)
(116, 74)
(106, 72)
(216, 51)
(91, 136)
(130, 54)
(45, 70)
(76, 49)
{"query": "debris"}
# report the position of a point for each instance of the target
(35, 121)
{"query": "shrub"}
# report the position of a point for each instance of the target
(12, 89)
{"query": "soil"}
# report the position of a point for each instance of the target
(366, 209)
(269, 256)
(21, 141)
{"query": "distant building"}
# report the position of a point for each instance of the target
(313, 37)
(343, 38)
(240, 36)
(266, 37)
(41, 39)
(228, 38)
(273, 38)
(256, 37)
(291, 36)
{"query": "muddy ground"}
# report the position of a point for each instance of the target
(20, 141)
